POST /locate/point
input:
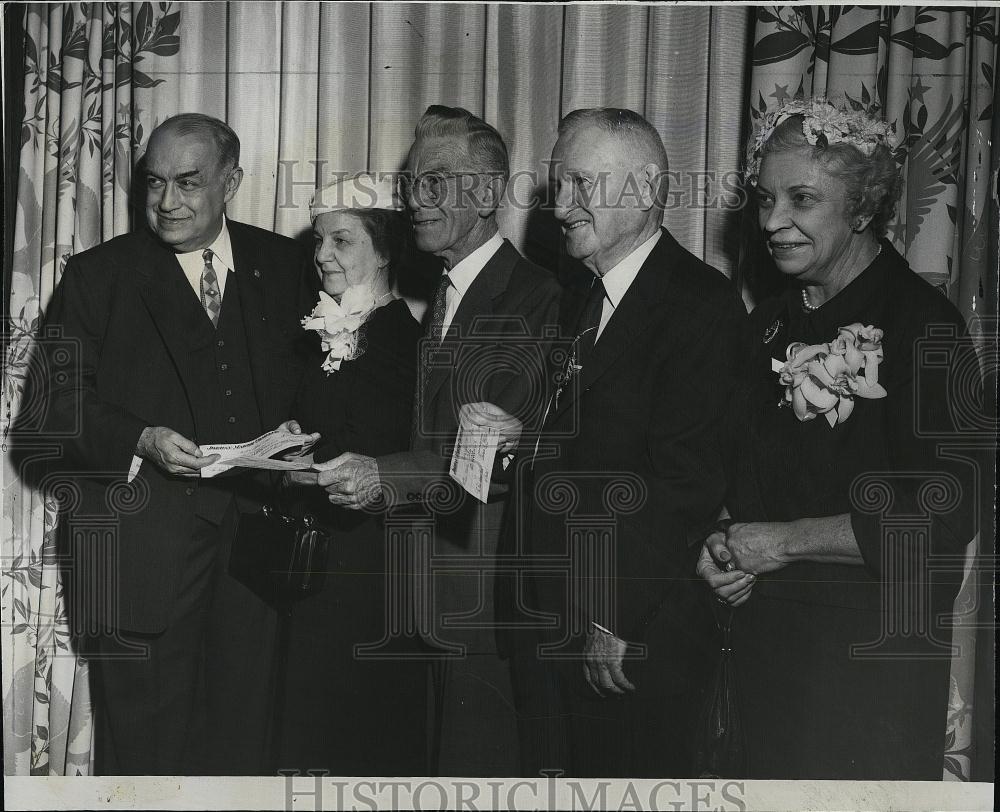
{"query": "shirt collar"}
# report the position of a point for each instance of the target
(466, 271)
(618, 280)
(221, 248)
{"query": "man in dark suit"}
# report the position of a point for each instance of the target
(627, 476)
(486, 345)
(187, 334)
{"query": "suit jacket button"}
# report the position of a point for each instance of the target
(256, 273)
(263, 318)
(189, 491)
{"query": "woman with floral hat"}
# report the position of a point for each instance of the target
(843, 504)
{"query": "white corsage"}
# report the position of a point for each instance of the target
(825, 378)
(338, 324)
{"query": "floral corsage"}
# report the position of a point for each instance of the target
(338, 324)
(826, 378)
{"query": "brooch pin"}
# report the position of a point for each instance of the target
(771, 332)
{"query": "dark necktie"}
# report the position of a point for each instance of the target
(434, 331)
(211, 299)
(582, 348)
(590, 320)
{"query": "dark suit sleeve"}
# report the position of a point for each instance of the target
(920, 419)
(96, 435)
(693, 382)
(525, 391)
(514, 377)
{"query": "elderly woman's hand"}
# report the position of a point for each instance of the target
(716, 567)
(759, 547)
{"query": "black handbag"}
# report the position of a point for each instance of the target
(719, 741)
(280, 556)
(720, 744)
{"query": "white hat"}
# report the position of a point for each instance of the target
(363, 191)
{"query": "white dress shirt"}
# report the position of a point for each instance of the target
(193, 262)
(464, 274)
(618, 280)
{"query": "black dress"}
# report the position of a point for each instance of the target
(843, 671)
(345, 714)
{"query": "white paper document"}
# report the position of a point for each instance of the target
(257, 453)
(472, 459)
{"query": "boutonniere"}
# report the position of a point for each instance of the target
(826, 378)
(570, 370)
(338, 324)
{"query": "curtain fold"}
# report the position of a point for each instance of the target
(316, 89)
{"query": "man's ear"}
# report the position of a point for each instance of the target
(491, 195)
(651, 178)
(233, 182)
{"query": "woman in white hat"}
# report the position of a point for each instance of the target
(358, 394)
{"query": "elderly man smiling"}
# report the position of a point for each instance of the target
(609, 690)
(188, 333)
(483, 352)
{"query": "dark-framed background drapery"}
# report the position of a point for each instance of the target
(315, 88)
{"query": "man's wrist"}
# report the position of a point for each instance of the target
(378, 497)
(142, 446)
(790, 547)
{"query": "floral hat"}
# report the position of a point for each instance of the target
(822, 123)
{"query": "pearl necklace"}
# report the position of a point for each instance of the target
(806, 305)
(811, 308)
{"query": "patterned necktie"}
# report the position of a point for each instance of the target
(211, 299)
(434, 330)
(439, 307)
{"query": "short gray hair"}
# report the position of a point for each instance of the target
(485, 144)
(639, 136)
(226, 140)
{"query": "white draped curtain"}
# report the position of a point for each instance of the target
(313, 89)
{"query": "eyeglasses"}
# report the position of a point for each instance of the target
(431, 187)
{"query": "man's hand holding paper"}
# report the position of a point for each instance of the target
(483, 430)
(489, 416)
(259, 453)
(172, 452)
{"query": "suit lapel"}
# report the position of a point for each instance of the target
(633, 316)
(478, 301)
(172, 306)
(253, 282)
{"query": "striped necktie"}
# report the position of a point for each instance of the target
(211, 299)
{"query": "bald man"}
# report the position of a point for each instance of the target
(627, 476)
